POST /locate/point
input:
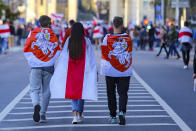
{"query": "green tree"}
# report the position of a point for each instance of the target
(2, 7)
(10, 16)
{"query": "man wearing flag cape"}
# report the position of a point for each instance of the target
(75, 75)
(41, 51)
(116, 66)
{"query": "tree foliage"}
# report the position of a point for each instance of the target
(9, 15)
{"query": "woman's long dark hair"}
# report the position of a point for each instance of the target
(75, 46)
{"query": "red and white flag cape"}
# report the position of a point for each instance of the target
(185, 35)
(4, 30)
(75, 79)
(42, 48)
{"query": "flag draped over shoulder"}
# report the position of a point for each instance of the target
(42, 48)
(75, 79)
(116, 57)
(185, 35)
(4, 31)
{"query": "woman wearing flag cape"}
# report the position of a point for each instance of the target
(75, 75)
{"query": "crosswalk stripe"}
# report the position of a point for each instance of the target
(70, 111)
(64, 106)
(92, 117)
(129, 97)
(64, 101)
(128, 93)
(169, 110)
(87, 125)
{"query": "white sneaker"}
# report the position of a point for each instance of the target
(185, 67)
(75, 120)
(80, 118)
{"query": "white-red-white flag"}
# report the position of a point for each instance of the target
(57, 16)
(4, 30)
(75, 79)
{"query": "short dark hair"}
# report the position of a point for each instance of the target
(186, 23)
(4, 21)
(44, 21)
(71, 22)
(117, 21)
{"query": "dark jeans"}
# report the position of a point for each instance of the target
(172, 47)
(163, 46)
(142, 44)
(122, 84)
(186, 53)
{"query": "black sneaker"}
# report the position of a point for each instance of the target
(36, 115)
(122, 118)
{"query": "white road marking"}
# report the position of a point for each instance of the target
(12, 104)
(169, 110)
(65, 106)
(92, 117)
(28, 98)
(86, 125)
(70, 111)
(100, 101)
(128, 93)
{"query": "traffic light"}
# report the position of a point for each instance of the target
(146, 22)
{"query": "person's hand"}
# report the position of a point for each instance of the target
(194, 76)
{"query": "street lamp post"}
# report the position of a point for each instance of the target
(163, 11)
(177, 12)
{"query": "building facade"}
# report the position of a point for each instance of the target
(134, 11)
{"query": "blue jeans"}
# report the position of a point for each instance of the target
(78, 105)
(3, 45)
(39, 83)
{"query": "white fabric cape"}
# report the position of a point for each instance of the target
(58, 80)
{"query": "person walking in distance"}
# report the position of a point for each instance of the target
(41, 51)
(163, 41)
(116, 67)
(173, 38)
(4, 35)
(75, 75)
(186, 39)
(97, 34)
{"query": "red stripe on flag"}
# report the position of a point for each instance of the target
(75, 76)
(96, 31)
(4, 30)
(185, 34)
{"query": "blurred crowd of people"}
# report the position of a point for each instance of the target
(143, 37)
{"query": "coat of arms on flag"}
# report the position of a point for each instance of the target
(42, 48)
(118, 51)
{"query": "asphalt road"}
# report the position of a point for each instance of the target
(13, 76)
(170, 81)
(166, 77)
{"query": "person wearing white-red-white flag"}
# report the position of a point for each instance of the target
(186, 39)
(41, 51)
(75, 75)
(97, 34)
(4, 34)
(116, 64)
